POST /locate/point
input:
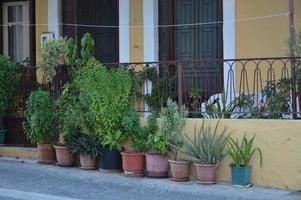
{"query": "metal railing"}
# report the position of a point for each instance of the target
(232, 88)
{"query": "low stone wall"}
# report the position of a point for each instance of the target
(280, 142)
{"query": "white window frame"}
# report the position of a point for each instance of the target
(26, 20)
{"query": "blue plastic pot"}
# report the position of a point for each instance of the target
(111, 160)
(241, 175)
(2, 136)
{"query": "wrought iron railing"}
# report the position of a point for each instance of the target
(232, 88)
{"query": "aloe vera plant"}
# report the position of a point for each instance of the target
(242, 152)
(207, 145)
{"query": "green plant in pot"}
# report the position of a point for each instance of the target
(8, 90)
(133, 160)
(87, 146)
(39, 125)
(157, 149)
(206, 148)
(241, 153)
(52, 55)
(172, 122)
(109, 95)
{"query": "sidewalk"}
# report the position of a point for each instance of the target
(27, 180)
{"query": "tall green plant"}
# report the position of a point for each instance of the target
(172, 119)
(8, 86)
(242, 151)
(39, 121)
(107, 93)
(50, 54)
(207, 146)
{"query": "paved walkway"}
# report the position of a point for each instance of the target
(28, 181)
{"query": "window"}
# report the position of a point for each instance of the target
(16, 32)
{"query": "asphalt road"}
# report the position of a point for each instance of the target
(30, 181)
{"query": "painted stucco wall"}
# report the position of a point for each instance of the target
(280, 143)
(263, 37)
(42, 20)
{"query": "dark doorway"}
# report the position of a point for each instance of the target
(95, 13)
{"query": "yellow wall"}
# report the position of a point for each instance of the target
(41, 18)
(280, 143)
(263, 37)
(136, 34)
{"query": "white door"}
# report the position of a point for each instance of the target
(16, 30)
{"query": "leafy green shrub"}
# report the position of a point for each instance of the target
(39, 118)
(50, 54)
(8, 86)
(172, 119)
(278, 97)
(156, 143)
(107, 95)
(242, 152)
(207, 145)
(137, 136)
(85, 144)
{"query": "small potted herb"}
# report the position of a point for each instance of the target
(156, 156)
(8, 90)
(86, 146)
(206, 149)
(39, 125)
(172, 119)
(241, 153)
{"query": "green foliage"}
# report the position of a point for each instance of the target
(39, 118)
(162, 89)
(156, 142)
(82, 143)
(223, 110)
(207, 145)
(173, 120)
(8, 86)
(107, 93)
(242, 152)
(196, 97)
(278, 97)
(132, 129)
(50, 57)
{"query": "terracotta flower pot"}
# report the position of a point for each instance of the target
(156, 165)
(87, 162)
(179, 170)
(205, 173)
(133, 163)
(46, 154)
(64, 156)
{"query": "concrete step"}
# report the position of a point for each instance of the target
(30, 153)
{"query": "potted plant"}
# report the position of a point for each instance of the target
(8, 90)
(156, 157)
(108, 95)
(39, 124)
(52, 55)
(87, 147)
(206, 149)
(241, 153)
(172, 119)
(133, 160)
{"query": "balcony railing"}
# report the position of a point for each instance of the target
(232, 88)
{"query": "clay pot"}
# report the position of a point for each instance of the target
(133, 163)
(179, 170)
(156, 165)
(205, 173)
(87, 162)
(46, 154)
(64, 156)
